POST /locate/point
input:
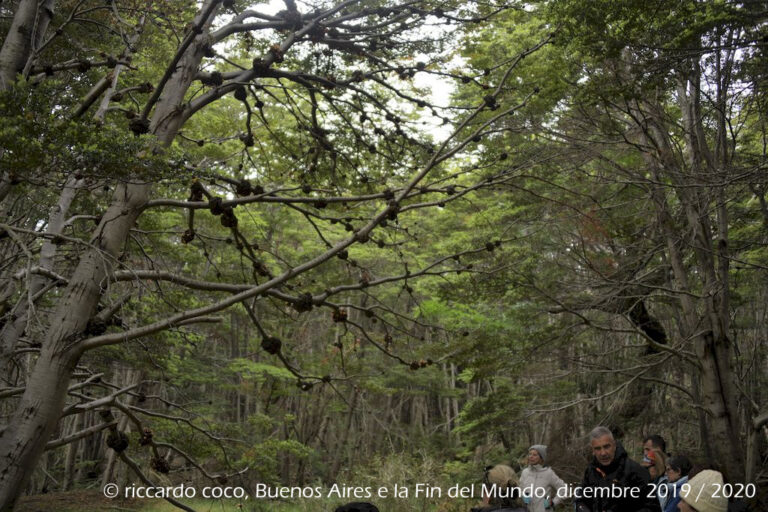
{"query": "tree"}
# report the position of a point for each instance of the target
(315, 125)
(651, 132)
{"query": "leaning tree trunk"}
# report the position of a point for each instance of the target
(23, 441)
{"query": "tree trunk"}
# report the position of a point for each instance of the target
(719, 399)
(71, 454)
(28, 26)
(11, 331)
(22, 442)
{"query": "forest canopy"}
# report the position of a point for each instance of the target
(303, 243)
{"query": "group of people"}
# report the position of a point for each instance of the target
(612, 482)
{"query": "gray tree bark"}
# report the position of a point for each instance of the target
(23, 440)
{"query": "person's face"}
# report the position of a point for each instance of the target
(684, 507)
(652, 471)
(673, 475)
(647, 447)
(534, 457)
(604, 449)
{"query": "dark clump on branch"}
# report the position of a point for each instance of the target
(304, 303)
(146, 437)
(208, 51)
(271, 345)
(247, 139)
(277, 53)
(196, 191)
(421, 363)
(260, 67)
(215, 205)
(213, 80)
(649, 325)
(261, 269)
(95, 327)
(241, 94)
(160, 465)
(118, 441)
(139, 125)
(339, 315)
(393, 209)
(228, 218)
(243, 188)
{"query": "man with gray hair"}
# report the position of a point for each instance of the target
(613, 482)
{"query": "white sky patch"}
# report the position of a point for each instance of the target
(440, 88)
(437, 90)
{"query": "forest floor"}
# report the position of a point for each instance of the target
(93, 501)
(74, 501)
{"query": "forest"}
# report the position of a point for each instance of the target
(361, 243)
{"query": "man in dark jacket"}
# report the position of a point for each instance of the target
(613, 482)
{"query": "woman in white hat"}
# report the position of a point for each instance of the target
(705, 493)
(538, 482)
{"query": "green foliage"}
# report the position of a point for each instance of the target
(258, 371)
(40, 141)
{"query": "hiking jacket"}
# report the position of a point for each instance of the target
(674, 494)
(662, 483)
(625, 474)
(541, 476)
